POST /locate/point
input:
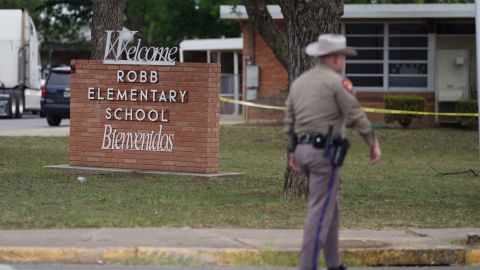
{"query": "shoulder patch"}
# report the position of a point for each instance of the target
(347, 85)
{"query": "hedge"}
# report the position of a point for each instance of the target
(404, 103)
(467, 106)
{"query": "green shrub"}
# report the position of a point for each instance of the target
(404, 103)
(467, 106)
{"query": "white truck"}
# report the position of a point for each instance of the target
(20, 73)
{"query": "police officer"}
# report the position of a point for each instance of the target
(319, 107)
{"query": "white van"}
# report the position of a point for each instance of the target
(20, 62)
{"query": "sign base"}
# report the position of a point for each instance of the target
(95, 170)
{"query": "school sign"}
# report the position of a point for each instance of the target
(138, 109)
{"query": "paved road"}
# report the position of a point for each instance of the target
(32, 125)
(156, 267)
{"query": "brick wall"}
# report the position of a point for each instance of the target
(194, 124)
(273, 78)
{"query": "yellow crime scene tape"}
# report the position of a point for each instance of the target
(369, 110)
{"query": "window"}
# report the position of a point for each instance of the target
(408, 55)
(366, 69)
(456, 29)
(390, 55)
(59, 78)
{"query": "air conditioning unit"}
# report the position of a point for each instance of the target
(452, 81)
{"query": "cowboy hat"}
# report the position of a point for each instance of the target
(330, 44)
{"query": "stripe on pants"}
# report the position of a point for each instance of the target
(322, 216)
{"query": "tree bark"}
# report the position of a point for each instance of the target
(304, 21)
(107, 15)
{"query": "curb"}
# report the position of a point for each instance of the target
(232, 256)
(403, 257)
(472, 257)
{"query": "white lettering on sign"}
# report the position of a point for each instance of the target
(140, 141)
(137, 115)
(135, 95)
(91, 93)
(124, 45)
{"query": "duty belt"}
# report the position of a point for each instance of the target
(319, 140)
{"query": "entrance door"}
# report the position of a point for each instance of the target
(230, 80)
(227, 90)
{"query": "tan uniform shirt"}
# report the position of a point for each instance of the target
(317, 100)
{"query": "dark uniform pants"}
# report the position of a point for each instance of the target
(321, 226)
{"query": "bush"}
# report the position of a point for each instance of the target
(467, 106)
(404, 103)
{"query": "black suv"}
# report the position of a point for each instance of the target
(55, 101)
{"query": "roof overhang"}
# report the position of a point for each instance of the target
(372, 11)
(221, 44)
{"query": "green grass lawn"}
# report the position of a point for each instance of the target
(402, 191)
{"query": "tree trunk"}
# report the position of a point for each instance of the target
(107, 15)
(304, 21)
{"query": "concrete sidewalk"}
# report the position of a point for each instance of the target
(230, 246)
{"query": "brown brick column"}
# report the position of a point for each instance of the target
(194, 124)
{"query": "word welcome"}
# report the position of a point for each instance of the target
(135, 53)
(140, 141)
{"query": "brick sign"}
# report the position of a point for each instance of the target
(153, 118)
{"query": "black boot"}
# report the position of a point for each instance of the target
(341, 267)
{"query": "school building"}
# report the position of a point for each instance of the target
(403, 49)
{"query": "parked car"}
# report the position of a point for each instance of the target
(4, 105)
(55, 101)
